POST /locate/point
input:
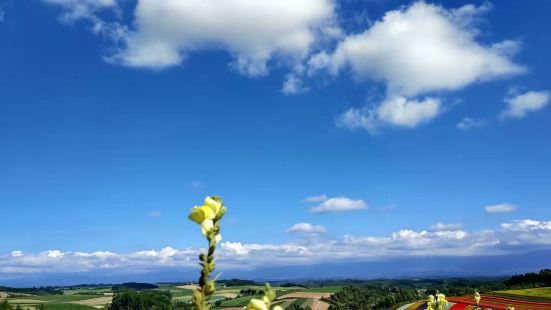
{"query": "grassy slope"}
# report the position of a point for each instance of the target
(540, 294)
(536, 292)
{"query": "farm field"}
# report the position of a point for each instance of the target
(61, 302)
(236, 297)
(229, 297)
(286, 296)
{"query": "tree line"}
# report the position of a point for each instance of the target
(367, 298)
(130, 299)
(531, 279)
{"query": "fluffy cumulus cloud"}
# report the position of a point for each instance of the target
(422, 48)
(500, 208)
(252, 31)
(335, 204)
(413, 50)
(396, 111)
(520, 105)
(416, 50)
(440, 240)
(306, 228)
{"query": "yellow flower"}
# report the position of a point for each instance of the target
(214, 204)
(442, 302)
(218, 238)
(277, 308)
(477, 297)
(430, 303)
(256, 304)
(200, 214)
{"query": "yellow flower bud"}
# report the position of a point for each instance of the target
(277, 308)
(210, 288)
(257, 304)
(218, 238)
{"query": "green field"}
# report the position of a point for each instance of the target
(239, 302)
(68, 307)
(325, 289)
(535, 292)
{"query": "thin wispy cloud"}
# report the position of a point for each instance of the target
(293, 85)
(154, 214)
(500, 208)
(319, 198)
(444, 227)
(470, 123)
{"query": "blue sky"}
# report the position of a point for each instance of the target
(116, 117)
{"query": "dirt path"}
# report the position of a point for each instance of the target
(100, 301)
(320, 305)
(188, 287)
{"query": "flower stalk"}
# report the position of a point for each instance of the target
(208, 216)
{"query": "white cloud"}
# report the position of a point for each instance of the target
(520, 105)
(252, 31)
(469, 123)
(416, 50)
(500, 208)
(240, 249)
(397, 111)
(442, 226)
(306, 228)
(339, 204)
(422, 48)
(16, 253)
(446, 240)
(293, 85)
(524, 233)
(318, 198)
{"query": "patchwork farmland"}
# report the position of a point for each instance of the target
(310, 296)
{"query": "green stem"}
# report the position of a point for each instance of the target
(205, 289)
